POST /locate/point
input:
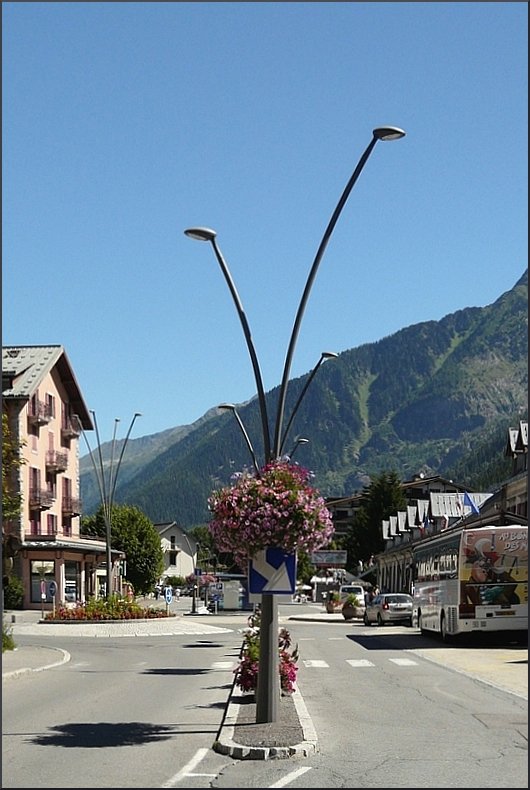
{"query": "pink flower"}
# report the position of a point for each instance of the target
(275, 508)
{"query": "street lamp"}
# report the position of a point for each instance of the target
(323, 356)
(107, 486)
(206, 234)
(297, 442)
(231, 407)
(268, 685)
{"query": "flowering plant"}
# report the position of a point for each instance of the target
(248, 668)
(277, 507)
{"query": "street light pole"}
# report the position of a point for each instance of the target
(206, 234)
(268, 679)
(381, 133)
(107, 487)
(231, 407)
(323, 356)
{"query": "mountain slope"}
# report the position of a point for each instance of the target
(417, 400)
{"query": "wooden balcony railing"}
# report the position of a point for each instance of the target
(39, 413)
(71, 506)
(56, 460)
(40, 499)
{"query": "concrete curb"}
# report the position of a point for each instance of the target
(225, 743)
(24, 670)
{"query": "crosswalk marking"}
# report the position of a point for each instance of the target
(360, 662)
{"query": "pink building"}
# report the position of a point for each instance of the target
(45, 409)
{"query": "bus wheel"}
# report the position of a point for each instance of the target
(443, 630)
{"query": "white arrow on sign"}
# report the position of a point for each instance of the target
(278, 578)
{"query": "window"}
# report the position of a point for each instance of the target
(41, 571)
(50, 405)
(51, 522)
(34, 523)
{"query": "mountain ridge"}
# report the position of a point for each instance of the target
(415, 400)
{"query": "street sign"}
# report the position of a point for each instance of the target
(168, 595)
(329, 557)
(52, 587)
(198, 571)
(272, 571)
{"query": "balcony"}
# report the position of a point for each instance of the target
(39, 413)
(40, 499)
(56, 461)
(71, 506)
(69, 429)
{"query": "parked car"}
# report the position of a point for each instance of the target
(389, 608)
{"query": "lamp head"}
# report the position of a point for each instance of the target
(329, 355)
(388, 133)
(227, 406)
(201, 234)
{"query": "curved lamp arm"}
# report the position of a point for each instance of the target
(298, 441)
(231, 407)
(323, 356)
(206, 234)
(383, 133)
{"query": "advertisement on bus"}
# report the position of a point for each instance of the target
(493, 571)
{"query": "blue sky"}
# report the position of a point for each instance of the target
(125, 123)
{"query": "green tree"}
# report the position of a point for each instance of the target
(305, 569)
(134, 534)
(11, 460)
(380, 499)
(11, 497)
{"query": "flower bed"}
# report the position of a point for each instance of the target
(115, 608)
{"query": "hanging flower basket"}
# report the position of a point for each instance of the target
(277, 507)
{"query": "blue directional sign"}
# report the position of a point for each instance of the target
(168, 594)
(52, 588)
(272, 571)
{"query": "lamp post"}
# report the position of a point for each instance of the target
(231, 407)
(325, 355)
(297, 442)
(268, 681)
(107, 485)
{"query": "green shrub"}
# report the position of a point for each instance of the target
(13, 593)
(8, 643)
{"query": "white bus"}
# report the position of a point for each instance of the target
(472, 580)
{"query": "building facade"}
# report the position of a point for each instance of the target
(180, 550)
(45, 412)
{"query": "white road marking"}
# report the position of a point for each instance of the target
(315, 663)
(404, 662)
(290, 777)
(188, 768)
(359, 662)
(222, 665)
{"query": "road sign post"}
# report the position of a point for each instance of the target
(53, 592)
(168, 595)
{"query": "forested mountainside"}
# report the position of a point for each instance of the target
(434, 397)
